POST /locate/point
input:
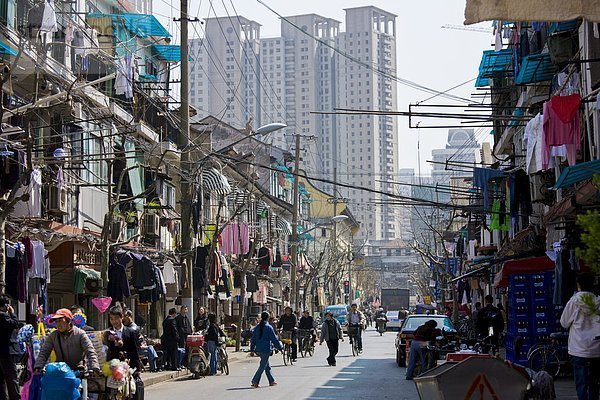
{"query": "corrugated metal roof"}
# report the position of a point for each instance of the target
(535, 68)
(577, 173)
(142, 25)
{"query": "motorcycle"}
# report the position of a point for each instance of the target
(197, 359)
(381, 325)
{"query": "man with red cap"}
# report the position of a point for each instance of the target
(71, 345)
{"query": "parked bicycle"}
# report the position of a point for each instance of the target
(427, 361)
(550, 355)
(306, 342)
(286, 339)
(465, 327)
(486, 346)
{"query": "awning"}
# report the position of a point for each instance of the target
(214, 181)
(530, 10)
(141, 25)
(522, 266)
(564, 26)
(474, 272)
(5, 50)
(535, 68)
(167, 52)
(577, 173)
(273, 299)
(492, 63)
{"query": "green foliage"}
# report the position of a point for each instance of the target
(590, 239)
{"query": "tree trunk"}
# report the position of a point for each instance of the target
(242, 315)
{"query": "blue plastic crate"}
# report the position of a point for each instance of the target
(541, 312)
(519, 297)
(519, 311)
(518, 282)
(519, 329)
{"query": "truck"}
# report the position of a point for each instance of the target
(394, 299)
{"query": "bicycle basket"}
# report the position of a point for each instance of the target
(287, 335)
(286, 341)
(302, 333)
(353, 330)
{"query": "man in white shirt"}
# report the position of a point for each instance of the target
(582, 317)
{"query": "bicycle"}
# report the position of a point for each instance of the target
(465, 328)
(551, 357)
(286, 339)
(352, 334)
(427, 361)
(222, 358)
(307, 344)
(485, 346)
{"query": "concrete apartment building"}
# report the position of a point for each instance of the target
(237, 75)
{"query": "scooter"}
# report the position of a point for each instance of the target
(381, 325)
(197, 356)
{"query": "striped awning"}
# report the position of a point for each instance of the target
(214, 181)
(284, 226)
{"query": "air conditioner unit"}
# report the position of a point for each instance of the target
(540, 189)
(117, 230)
(151, 226)
(93, 286)
(57, 199)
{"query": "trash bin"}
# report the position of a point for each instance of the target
(472, 379)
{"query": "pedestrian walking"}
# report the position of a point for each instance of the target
(490, 317)
(169, 341)
(582, 317)
(262, 343)
(122, 341)
(331, 333)
(8, 366)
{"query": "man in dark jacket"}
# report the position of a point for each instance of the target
(169, 340)
(184, 328)
(122, 341)
(288, 323)
(490, 317)
(8, 367)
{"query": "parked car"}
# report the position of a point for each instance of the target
(410, 325)
(393, 321)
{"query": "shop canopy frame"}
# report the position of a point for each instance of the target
(577, 173)
(493, 63)
(535, 68)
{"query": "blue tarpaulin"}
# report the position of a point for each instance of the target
(493, 62)
(535, 68)
(577, 173)
(5, 50)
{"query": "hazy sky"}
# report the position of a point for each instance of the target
(427, 54)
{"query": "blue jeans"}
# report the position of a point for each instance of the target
(586, 372)
(415, 351)
(180, 357)
(152, 356)
(212, 350)
(263, 366)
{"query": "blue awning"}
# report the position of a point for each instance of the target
(564, 26)
(535, 68)
(493, 63)
(577, 173)
(142, 25)
(5, 50)
(167, 52)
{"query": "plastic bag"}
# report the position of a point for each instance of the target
(60, 382)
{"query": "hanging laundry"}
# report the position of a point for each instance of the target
(118, 285)
(143, 274)
(235, 238)
(9, 169)
(561, 127)
(533, 137)
(169, 272)
(481, 178)
(49, 23)
(265, 259)
(520, 194)
(498, 36)
(498, 220)
(278, 261)
(124, 78)
(208, 233)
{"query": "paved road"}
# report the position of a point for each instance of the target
(373, 375)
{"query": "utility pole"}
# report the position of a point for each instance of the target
(334, 233)
(294, 267)
(184, 134)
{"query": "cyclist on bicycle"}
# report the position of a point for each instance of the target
(287, 323)
(307, 322)
(356, 318)
(71, 345)
(423, 335)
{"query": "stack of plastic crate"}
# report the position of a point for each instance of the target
(531, 314)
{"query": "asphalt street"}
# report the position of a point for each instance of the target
(372, 375)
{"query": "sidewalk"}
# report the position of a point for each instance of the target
(565, 389)
(152, 378)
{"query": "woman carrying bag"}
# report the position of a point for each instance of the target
(263, 341)
(212, 341)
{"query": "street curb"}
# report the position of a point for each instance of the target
(151, 378)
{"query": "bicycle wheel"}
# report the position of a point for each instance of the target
(303, 347)
(289, 354)
(311, 347)
(225, 366)
(545, 359)
(285, 353)
(354, 347)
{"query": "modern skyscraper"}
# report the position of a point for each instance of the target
(237, 76)
(368, 144)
